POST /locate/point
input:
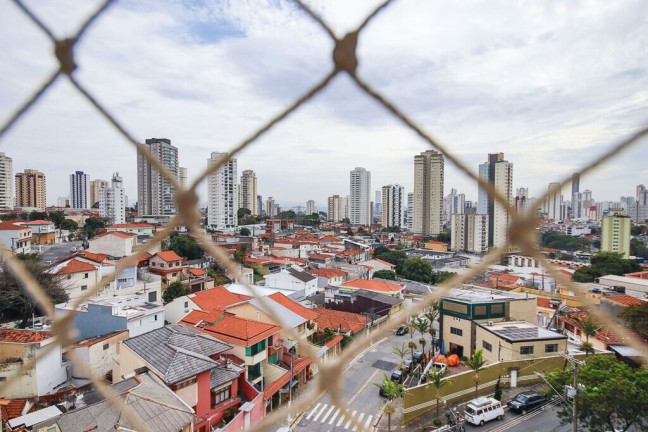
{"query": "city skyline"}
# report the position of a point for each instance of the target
(545, 111)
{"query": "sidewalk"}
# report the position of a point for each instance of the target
(424, 422)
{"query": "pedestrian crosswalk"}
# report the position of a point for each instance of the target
(333, 416)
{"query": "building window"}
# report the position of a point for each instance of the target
(487, 346)
(221, 395)
(154, 317)
(105, 346)
(122, 280)
(85, 276)
(174, 274)
(256, 348)
(84, 287)
(525, 350)
(185, 383)
(69, 276)
(550, 348)
(186, 304)
(456, 331)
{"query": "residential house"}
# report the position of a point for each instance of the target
(293, 279)
(347, 323)
(188, 361)
(377, 264)
(12, 408)
(15, 237)
(168, 265)
(77, 276)
(117, 244)
(322, 259)
(144, 396)
(375, 285)
(328, 276)
(43, 232)
(100, 316)
(257, 343)
(48, 372)
(218, 298)
(97, 354)
(140, 229)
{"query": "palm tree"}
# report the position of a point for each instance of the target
(422, 341)
(411, 326)
(588, 327)
(391, 390)
(436, 379)
(587, 347)
(432, 314)
(401, 352)
(476, 363)
(412, 346)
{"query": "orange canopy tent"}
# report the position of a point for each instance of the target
(454, 360)
(441, 359)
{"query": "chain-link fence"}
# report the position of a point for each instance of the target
(521, 232)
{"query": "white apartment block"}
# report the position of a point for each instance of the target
(469, 233)
(409, 218)
(248, 192)
(155, 193)
(499, 173)
(182, 177)
(271, 207)
(310, 207)
(333, 211)
(7, 200)
(79, 190)
(112, 201)
(222, 190)
(428, 193)
(554, 202)
(360, 197)
(392, 206)
(453, 203)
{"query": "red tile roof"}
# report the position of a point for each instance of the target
(12, 408)
(168, 256)
(93, 341)
(96, 257)
(336, 340)
(327, 272)
(216, 298)
(625, 300)
(319, 256)
(76, 266)
(197, 316)
(197, 272)
(373, 285)
(130, 225)
(334, 320)
(293, 306)
(329, 239)
(384, 262)
(24, 336)
(39, 222)
(11, 226)
(120, 234)
(240, 331)
(544, 302)
(505, 278)
(276, 385)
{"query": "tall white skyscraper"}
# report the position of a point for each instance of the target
(7, 200)
(248, 192)
(409, 218)
(112, 201)
(453, 203)
(79, 190)
(499, 173)
(553, 202)
(271, 207)
(359, 198)
(310, 207)
(182, 177)
(155, 193)
(392, 206)
(222, 191)
(95, 186)
(428, 193)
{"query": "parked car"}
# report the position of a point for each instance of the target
(526, 401)
(438, 368)
(407, 365)
(397, 376)
(418, 357)
(483, 409)
(402, 330)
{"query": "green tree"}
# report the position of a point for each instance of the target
(8, 216)
(435, 378)
(244, 232)
(476, 363)
(16, 302)
(57, 217)
(417, 269)
(498, 389)
(638, 248)
(637, 230)
(444, 237)
(392, 390)
(438, 277)
(432, 313)
(614, 396)
(69, 225)
(400, 351)
(37, 215)
(389, 409)
(605, 263)
(395, 257)
(385, 274)
(173, 291)
(242, 213)
(95, 205)
(637, 317)
(380, 250)
(185, 246)
(412, 346)
(558, 240)
(94, 225)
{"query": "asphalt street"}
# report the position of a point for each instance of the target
(360, 390)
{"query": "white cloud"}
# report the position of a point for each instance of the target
(551, 85)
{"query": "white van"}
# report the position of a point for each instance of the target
(479, 411)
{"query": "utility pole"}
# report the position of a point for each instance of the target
(576, 363)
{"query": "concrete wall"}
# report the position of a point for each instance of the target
(98, 359)
(10, 363)
(97, 321)
(145, 324)
(50, 369)
(113, 245)
(511, 351)
(175, 310)
(463, 340)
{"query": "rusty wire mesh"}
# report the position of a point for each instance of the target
(521, 232)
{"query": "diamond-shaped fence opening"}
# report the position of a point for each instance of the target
(343, 61)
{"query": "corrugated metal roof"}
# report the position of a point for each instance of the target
(35, 417)
(625, 351)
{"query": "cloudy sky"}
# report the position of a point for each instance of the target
(550, 84)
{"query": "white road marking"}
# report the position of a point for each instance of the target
(335, 414)
(328, 413)
(368, 422)
(346, 426)
(313, 411)
(320, 412)
(355, 428)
